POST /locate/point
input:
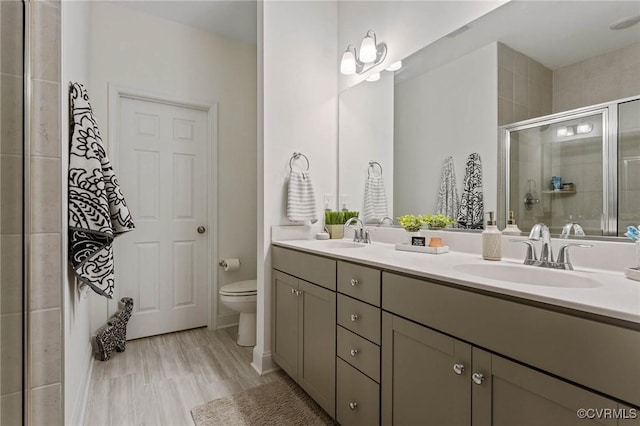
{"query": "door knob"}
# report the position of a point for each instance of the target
(353, 405)
(477, 378)
(458, 368)
(201, 229)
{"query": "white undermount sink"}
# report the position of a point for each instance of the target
(341, 244)
(530, 275)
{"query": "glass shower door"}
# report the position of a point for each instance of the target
(557, 172)
(628, 165)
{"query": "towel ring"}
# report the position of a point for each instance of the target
(295, 156)
(372, 164)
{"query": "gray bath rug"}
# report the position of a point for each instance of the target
(281, 402)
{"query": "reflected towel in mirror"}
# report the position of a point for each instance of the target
(448, 200)
(471, 214)
(375, 200)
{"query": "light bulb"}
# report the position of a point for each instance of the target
(562, 131)
(584, 127)
(374, 77)
(570, 131)
(368, 51)
(395, 66)
(348, 63)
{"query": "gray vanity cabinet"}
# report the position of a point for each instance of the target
(304, 330)
(419, 384)
(433, 379)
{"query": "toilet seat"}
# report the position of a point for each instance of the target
(240, 288)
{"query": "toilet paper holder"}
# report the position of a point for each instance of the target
(223, 263)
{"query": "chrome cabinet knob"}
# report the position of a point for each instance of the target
(353, 405)
(354, 352)
(458, 368)
(354, 317)
(354, 282)
(293, 291)
(477, 378)
(201, 229)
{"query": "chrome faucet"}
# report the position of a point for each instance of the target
(359, 234)
(385, 219)
(577, 230)
(540, 232)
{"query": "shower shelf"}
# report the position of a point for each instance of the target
(560, 192)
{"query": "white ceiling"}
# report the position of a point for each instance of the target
(234, 19)
(554, 33)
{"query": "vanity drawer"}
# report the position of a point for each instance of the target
(357, 397)
(359, 282)
(315, 269)
(359, 352)
(359, 317)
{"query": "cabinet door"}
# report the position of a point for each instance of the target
(419, 383)
(317, 368)
(512, 394)
(285, 322)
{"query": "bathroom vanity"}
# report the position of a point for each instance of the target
(379, 336)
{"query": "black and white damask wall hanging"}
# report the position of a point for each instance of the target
(97, 209)
(471, 212)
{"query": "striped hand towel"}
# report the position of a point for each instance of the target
(375, 200)
(448, 195)
(301, 202)
(471, 213)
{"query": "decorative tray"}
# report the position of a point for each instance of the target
(422, 249)
(631, 273)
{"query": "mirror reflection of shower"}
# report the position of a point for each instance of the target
(586, 166)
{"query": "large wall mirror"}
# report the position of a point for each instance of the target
(523, 61)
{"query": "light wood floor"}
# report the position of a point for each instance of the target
(157, 380)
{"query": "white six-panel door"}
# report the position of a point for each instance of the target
(162, 264)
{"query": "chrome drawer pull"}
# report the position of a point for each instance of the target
(354, 317)
(353, 405)
(293, 291)
(458, 368)
(354, 352)
(354, 282)
(477, 378)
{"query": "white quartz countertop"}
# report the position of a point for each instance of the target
(614, 297)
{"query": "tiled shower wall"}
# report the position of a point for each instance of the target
(46, 258)
(11, 76)
(524, 87)
(599, 79)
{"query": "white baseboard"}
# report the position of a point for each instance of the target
(263, 363)
(82, 396)
(227, 320)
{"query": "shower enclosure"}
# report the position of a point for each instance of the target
(12, 223)
(580, 166)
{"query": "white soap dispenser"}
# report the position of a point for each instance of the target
(512, 227)
(491, 240)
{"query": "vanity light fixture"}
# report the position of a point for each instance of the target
(584, 128)
(395, 66)
(374, 77)
(371, 54)
(577, 129)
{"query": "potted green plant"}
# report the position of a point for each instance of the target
(412, 224)
(438, 221)
(334, 222)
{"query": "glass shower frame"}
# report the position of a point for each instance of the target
(609, 115)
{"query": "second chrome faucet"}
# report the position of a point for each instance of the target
(540, 232)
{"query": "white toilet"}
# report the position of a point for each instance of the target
(241, 297)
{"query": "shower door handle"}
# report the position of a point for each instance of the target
(201, 229)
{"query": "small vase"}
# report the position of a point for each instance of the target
(434, 228)
(335, 231)
(411, 234)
